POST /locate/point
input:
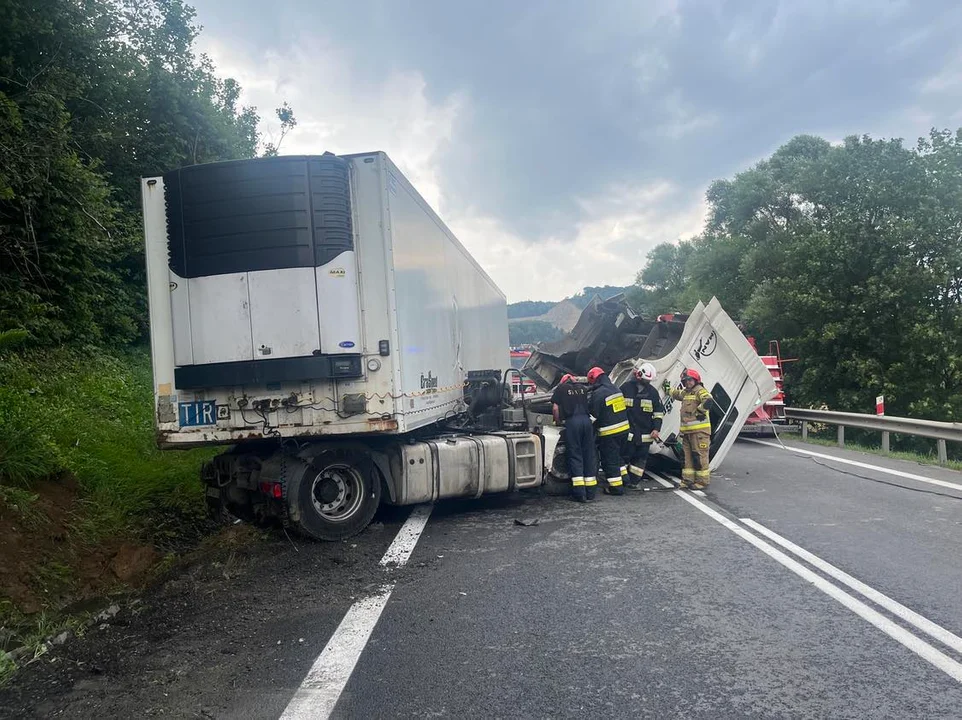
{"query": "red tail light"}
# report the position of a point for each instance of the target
(275, 490)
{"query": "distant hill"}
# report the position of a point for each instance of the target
(531, 332)
(529, 308)
(584, 297)
(536, 321)
(563, 316)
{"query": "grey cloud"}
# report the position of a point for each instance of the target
(566, 99)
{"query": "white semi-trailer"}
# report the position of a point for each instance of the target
(317, 316)
(315, 313)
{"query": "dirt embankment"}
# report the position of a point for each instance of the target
(42, 566)
(53, 573)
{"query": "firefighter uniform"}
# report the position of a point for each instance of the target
(572, 402)
(611, 423)
(645, 414)
(695, 434)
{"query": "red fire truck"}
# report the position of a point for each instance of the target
(519, 356)
(772, 412)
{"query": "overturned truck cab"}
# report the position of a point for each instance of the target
(609, 334)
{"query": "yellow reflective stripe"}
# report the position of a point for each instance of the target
(578, 481)
(629, 402)
(658, 416)
(635, 470)
(687, 473)
(616, 402)
(645, 405)
(695, 427)
(591, 482)
(646, 438)
(613, 429)
(614, 482)
(702, 473)
(624, 470)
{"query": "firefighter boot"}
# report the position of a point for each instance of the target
(591, 485)
(615, 487)
(702, 479)
(578, 492)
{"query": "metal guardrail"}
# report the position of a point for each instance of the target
(942, 431)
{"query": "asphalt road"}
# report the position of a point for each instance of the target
(649, 605)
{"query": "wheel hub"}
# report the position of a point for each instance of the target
(336, 492)
(328, 491)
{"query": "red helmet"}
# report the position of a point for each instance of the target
(567, 377)
(594, 374)
(689, 373)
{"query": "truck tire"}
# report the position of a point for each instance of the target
(338, 496)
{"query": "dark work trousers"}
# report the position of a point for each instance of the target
(611, 462)
(636, 455)
(580, 449)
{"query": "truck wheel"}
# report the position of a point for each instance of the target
(338, 496)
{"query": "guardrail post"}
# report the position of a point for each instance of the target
(804, 430)
(943, 453)
(885, 441)
(841, 436)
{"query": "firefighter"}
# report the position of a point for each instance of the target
(611, 421)
(645, 414)
(569, 405)
(695, 428)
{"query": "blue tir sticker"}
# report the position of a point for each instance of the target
(203, 412)
(346, 344)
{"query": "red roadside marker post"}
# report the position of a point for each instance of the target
(880, 410)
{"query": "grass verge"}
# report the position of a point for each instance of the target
(914, 457)
(88, 504)
(91, 414)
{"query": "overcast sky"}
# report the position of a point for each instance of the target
(561, 141)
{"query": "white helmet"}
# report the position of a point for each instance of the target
(646, 371)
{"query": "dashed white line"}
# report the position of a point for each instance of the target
(407, 537)
(321, 689)
(319, 692)
(931, 654)
(867, 466)
(910, 616)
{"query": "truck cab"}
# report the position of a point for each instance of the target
(706, 339)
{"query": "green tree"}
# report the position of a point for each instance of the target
(288, 122)
(851, 256)
(95, 94)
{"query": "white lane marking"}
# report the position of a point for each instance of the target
(879, 468)
(910, 616)
(407, 537)
(321, 689)
(921, 648)
(699, 492)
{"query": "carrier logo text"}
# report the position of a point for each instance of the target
(705, 346)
